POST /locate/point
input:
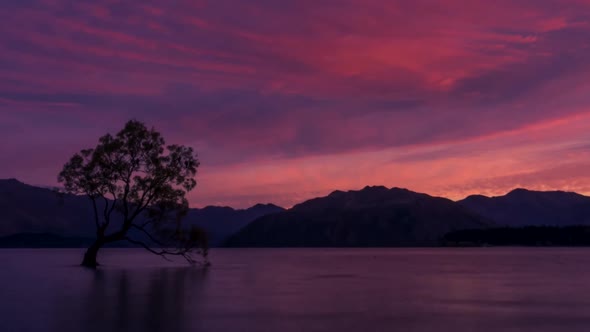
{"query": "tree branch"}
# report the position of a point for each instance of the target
(163, 252)
(144, 204)
(108, 220)
(146, 247)
(144, 231)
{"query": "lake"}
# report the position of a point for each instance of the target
(471, 289)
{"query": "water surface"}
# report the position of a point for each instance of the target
(487, 289)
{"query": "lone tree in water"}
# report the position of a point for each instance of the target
(137, 187)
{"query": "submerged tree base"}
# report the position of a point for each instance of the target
(90, 257)
(91, 265)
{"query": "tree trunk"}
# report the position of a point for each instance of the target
(90, 255)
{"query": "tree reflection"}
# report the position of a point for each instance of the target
(128, 300)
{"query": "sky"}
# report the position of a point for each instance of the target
(285, 100)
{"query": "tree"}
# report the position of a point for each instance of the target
(137, 186)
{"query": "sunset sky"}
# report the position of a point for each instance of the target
(285, 100)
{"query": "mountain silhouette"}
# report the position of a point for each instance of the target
(522, 207)
(371, 217)
(374, 216)
(222, 222)
(28, 210)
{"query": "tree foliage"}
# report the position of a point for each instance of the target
(134, 175)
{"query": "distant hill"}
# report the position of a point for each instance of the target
(371, 217)
(27, 210)
(222, 222)
(523, 207)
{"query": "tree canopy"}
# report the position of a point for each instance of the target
(137, 186)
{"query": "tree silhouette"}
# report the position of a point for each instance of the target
(137, 177)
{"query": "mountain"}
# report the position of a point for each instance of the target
(523, 207)
(371, 217)
(29, 210)
(222, 222)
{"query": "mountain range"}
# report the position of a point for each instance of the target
(374, 216)
(33, 210)
(522, 207)
(371, 217)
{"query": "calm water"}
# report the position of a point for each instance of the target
(507, 289)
